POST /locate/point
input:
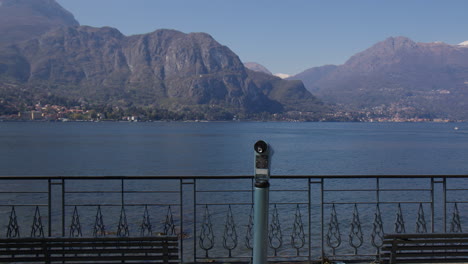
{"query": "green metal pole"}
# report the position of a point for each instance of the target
(261, 201)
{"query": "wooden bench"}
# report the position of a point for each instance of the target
(162, 249)
(425, 248)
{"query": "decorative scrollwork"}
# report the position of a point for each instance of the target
(206, 240)
(37, 229)
(122, 228)
(378, 233)
(455, 225)
(169, 226)
(146, 228)
(99, 228)
(298, 235)
(75, 227)
(249, 234)
(13, 230)
(275, 235)
(356, 237)
(399, 221)
(230, 234)
(421, 221)
(333, 235)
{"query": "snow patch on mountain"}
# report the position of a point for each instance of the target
(282, 75)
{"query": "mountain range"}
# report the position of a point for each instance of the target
(397, 77)
(164, 69)
(47, 57)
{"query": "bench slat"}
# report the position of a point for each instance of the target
(88, 244)
(85, 259)
(90, 250)
(97, 258)
(446, 260)
(426, 235)
(427, 241)
(424, 247)
(441, 255)
(83, 239)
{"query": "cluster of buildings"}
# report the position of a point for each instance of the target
(62, 113)
(50, 112)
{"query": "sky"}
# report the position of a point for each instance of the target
(285, 36)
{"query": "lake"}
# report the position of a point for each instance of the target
(226, 148)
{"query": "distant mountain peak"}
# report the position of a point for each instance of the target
(257, 67)
(396, 43)
(398, 76)
(49, 9)
(25, 19)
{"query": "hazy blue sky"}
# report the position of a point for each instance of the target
(285, 36)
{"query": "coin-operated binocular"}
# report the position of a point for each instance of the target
(263, 154)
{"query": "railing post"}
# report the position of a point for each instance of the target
(444, 189)
(49, 206)
(62, 183)
(439, 196)
(52, 203)
(322, 228)
(122, 192)
(377, 191)
(183, 206)
(194, 191)
(432, 204)
(181, 217)
(378, 206)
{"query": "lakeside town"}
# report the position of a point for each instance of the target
(60, 113)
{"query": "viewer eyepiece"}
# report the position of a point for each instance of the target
(261, 147)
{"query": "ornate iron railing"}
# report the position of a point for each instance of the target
(311, 217)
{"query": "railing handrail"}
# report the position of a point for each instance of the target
(139, 177)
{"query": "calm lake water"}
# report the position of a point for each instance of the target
(226, 148)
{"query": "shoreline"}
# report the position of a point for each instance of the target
(228, 121)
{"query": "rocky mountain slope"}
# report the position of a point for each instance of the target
(398, 75)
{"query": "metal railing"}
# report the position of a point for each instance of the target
(311, 217)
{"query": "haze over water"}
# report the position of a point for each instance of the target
(226, 148)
